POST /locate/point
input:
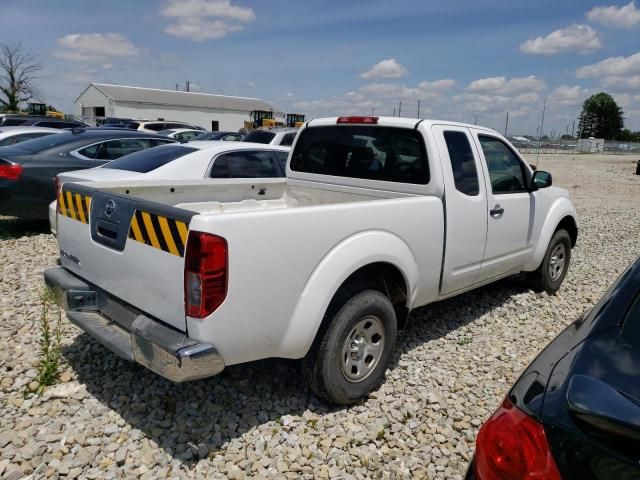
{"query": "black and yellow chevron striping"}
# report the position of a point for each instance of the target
(159, 232)
(74, 205)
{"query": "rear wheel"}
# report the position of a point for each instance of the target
(551, 272)
(349, 358)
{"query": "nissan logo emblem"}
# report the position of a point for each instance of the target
(109, 208)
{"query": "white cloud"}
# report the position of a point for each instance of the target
(201, 20)
(613, 66)
(613, 16)
(621, 73)
(502, 87)
(574, 38)
(567, 95)
(388, 68)
(382, 97)
(87, 47)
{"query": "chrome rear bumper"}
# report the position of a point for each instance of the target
(131, 334)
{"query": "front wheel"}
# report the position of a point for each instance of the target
(554, 266)
(349, 360)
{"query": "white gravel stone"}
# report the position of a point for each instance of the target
(453, 366)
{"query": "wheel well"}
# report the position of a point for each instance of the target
(382, 276)
(569, 224)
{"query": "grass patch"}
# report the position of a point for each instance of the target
(50, 340)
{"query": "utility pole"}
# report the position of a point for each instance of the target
(418, 108)
(394, 111)
(573, 129)
(506, 125)
(187, 83)
(544, 107)
(176, 87)
(372, 111)
(400, 109)
(475, 120)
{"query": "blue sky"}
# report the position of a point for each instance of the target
(462, 59)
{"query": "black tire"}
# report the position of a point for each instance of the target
(323, 365)
(542, 279)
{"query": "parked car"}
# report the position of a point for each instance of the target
(181, 134)
(323, 265)
(226, 136)
(155, 126)
(27, 170)
(13, 135)
(575, 411)
(115, 122)
(272, 136)
(16, 120)
(197, 160)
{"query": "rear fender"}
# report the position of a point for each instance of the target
(344, 259)
(561, 208)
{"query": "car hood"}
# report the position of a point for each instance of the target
(97, 175)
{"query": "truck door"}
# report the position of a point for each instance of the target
(465, 207)
(511, 208)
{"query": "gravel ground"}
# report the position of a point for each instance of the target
(110, 419)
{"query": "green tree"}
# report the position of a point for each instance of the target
(601, 117)
(18, 69)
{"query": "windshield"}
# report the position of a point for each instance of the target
(259, 136)
(147, 160)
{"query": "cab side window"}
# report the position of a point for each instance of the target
(463, 164)
(505, 169)
(287, 140)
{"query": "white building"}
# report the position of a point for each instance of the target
(212, 112)
(591, 145)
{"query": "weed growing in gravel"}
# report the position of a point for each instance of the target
(406, 417)
(464, 341)
(50, 340)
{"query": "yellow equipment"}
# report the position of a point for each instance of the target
(295, 120)
(41, 109)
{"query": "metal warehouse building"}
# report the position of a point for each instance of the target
(212, 112)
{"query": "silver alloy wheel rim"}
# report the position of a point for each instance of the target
(362, 349)
(557, 261)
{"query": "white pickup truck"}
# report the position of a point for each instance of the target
(377, 216)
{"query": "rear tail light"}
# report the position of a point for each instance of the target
(366, 120)
(513, 446)
(10, 171)
(205, 274)
(56, 185)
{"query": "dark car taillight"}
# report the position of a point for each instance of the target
(511, 445)
(10, 171)
(205, 274)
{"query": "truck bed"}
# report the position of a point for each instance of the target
(226, 196)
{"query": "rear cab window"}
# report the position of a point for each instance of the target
(375, 153)
(145, 161)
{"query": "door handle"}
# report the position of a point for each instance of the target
(495, 211)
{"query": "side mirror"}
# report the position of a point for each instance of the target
(540, 179)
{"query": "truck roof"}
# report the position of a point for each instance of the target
(401, 122)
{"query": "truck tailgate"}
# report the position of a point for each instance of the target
(129, 247)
